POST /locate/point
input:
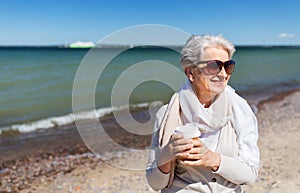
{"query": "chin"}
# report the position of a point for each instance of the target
(217, 90)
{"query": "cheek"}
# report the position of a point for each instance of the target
(205, 78)
(201, 81)
(227, 78)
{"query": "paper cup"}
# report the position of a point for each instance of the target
(189, 131)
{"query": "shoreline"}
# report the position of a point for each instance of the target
(61, 121)
(65, 148)
(43, 137)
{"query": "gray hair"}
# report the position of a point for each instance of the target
(195, 46)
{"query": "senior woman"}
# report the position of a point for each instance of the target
(226, 155)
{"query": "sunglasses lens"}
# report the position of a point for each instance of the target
(213, 67)
(229, 66)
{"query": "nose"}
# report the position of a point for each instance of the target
(223, 73)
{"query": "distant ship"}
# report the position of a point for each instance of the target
(80, 44)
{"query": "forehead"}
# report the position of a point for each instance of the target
(215, 53)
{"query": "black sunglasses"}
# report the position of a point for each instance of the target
(214, 67)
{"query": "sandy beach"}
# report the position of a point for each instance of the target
(58, 160)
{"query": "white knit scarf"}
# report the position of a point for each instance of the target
(207, 120)
(228, 106)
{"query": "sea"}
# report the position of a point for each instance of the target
(37, 83)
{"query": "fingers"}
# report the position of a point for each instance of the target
(193, 153)
(198, 150)
(176, 136)
(178, 140)
(208, 159)
(196, 159)
(176, 145)
(192, 162)
(182, 155)
(183, 142)
(179, 144)
(194, 156)
(181, 148)
(197, 143)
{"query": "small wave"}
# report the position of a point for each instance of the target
(67, 119)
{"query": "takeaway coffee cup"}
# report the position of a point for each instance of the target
(189, 131)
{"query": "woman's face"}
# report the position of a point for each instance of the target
(210, 84)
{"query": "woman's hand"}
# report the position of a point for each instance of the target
(200, 155)
(177, 147)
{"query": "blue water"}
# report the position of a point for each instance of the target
(36, 83)
(261, 68)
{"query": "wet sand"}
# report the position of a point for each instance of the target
(58, 161)
(29, 157)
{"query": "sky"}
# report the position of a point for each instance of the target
(45, 22)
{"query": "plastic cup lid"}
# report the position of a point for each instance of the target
(188, 130)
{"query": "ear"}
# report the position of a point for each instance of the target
(189, 73)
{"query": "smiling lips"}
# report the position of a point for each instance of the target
(219, 82)
(218, 79)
